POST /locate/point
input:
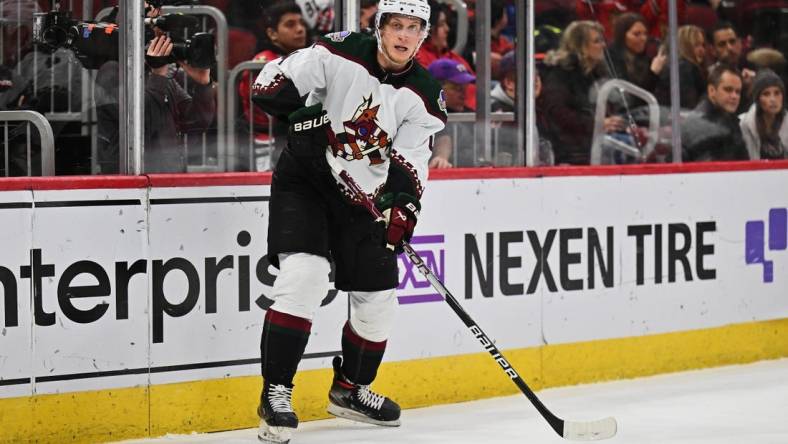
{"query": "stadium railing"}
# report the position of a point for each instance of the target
(46, 137)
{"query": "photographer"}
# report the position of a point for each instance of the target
(170, 111)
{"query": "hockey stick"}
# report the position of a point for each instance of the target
(574, 430)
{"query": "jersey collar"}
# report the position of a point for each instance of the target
(395, 79)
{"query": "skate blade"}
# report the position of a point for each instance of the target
(274, 435)
(341, 412)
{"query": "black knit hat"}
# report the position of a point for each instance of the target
(764, 79)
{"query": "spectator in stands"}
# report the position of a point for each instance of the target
(712, 131)
(557, 13)
(692, 74)
(655, 13)
(503, 94)
(16, 22)
(764, 127)
(367, 16)
(503, 100)
(437, 47)
(628, 54)
(499, 44)
(170, 110)
(318, 15)
(42, 80)
(763, 20)
(728, 50)
(243, 18)
(454, 78)
(6, 83)
(603, 11)
(768, 58)
(285, 32)
(572, 72)
(510, 31)
(727, 44)
(15, 146)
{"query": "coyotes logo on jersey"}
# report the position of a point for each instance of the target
(362, 136)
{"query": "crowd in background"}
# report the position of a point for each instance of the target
(580, 44)
(732, 69)
(732, 72)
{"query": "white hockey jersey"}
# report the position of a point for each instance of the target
(382, 124)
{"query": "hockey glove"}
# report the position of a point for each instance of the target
(400, 211)
(307, 134)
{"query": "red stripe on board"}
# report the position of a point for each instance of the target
(222, 179)
(360, 342)
(288, 321)
(209, 179)
(89, 182)
(125, 182)
(73, 182)
(16, 184)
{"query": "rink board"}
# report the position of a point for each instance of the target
(133, 306)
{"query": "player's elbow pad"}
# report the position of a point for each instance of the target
(279, 98)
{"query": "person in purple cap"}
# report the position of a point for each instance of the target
(454, 78)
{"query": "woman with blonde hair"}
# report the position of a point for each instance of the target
(692, 78)
(571, 76)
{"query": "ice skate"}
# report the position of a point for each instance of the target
(359, 403)
(277, 419)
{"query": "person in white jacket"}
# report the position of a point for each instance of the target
(764, 126)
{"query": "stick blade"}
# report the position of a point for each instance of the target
(591, 430)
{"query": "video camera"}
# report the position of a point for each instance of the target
(95, 43)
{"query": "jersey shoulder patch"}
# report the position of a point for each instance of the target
(338, 37)
(423, 84)
(353, 45)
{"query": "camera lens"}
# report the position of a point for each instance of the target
(55, 37)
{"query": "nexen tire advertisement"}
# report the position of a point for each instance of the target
(130, 287)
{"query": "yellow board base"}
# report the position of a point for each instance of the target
(230, 403)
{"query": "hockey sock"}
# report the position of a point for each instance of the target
(282, 345)
(361, 357)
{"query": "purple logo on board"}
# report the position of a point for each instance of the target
(413, 287)
(755, 240)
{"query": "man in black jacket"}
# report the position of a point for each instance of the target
(170, 110)
(712, 131)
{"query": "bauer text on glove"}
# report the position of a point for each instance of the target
(307, 133)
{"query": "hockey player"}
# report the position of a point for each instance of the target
(363, 100)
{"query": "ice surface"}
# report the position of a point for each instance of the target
(745, 404)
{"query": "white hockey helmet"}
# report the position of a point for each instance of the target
(414, 8)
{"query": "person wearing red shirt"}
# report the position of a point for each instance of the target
(437, 47)
(499, 44)
(285, 32)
